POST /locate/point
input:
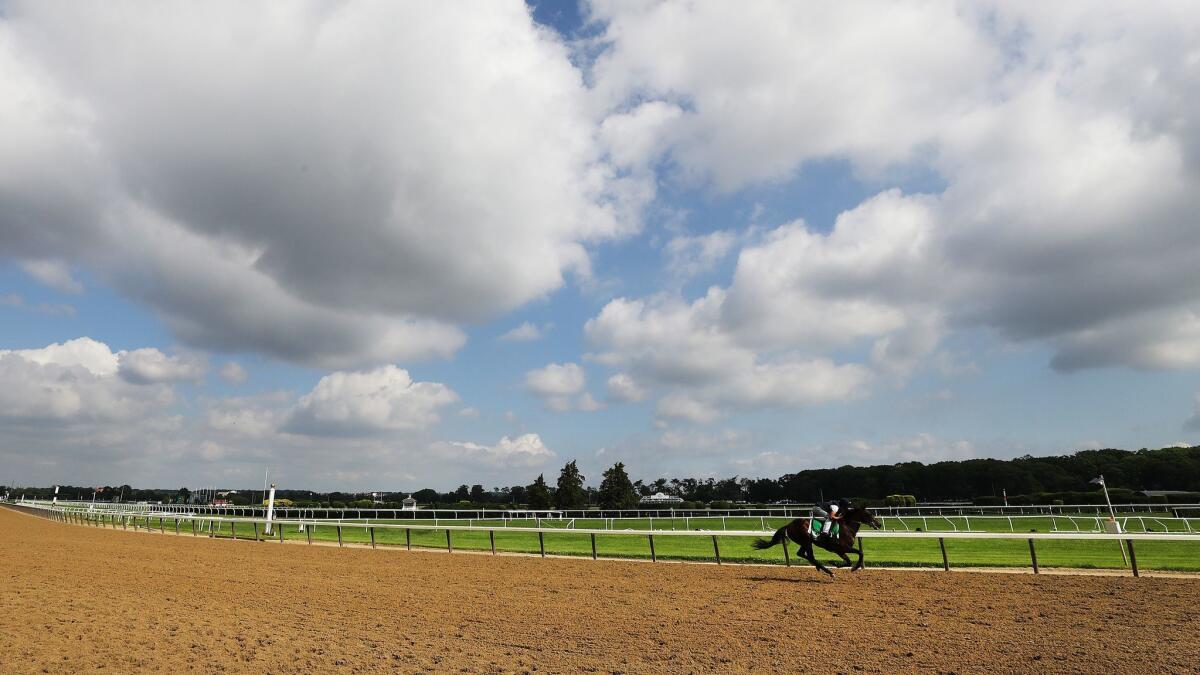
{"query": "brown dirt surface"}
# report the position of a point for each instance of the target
(77, 599)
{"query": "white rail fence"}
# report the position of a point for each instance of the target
(215, 526)
(783, 511)
(1013, 521)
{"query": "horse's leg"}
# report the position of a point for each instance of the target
(845, 560)
(857, 565)
(807, 552)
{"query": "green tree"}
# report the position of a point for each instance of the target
(462, 494)
(426, 496)
(616, 490)
(477, 494)
(538, 495)
(570, 493)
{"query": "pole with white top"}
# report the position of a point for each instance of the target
(270, 508)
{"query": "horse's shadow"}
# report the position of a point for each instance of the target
(793, 580)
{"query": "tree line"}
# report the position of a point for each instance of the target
(1025, 479)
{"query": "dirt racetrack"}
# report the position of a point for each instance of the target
(77, 599)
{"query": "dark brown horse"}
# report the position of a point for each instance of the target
(799, 531)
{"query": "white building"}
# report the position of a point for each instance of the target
(661, 498)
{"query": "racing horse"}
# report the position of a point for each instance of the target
(800, 531)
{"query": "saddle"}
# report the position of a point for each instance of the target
(816, 524)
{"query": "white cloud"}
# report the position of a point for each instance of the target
(561, 387)
(323, 192)
(1065, 139)
(73, 382)
(526, 451)
(257, 417)
(622, 388)
(356, 403)
(687, 350)
(526, 332)
(469, 412)
(233, 372)
(150, 366)
(689, 256)
(53, 273)
(556, 379)
(587, 403)
(678, 406)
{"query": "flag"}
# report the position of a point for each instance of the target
(1097, 481)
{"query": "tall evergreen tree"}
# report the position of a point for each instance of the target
(570, 494)
(538, 495)
(616, 490)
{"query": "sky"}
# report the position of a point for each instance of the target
(388, 246)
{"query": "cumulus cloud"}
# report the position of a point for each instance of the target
(560, 386)
(680, 406)
(692, 255)
(526, 451)
(623, 389)
(74, 382)
(686, 349)
(339, 218)
(233, 372)
(357, 403)
(1064, 138)
(526, 332)
(150, 366)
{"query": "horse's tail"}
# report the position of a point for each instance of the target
(780, 534)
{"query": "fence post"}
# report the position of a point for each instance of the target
(308, 533)
(593, 546)
(716, 549)
(408, 538)
(492, 539)
(542, 543)
(1033, 556)
(946, 560)
(281, 534)
(176, 526)
(653, 558)
(449, 546)
(339, 529)
(233, 530)
(369, 529)
(1132, 558)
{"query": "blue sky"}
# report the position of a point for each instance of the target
(739, 242)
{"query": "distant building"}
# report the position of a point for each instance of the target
(408, 503)
(660, 498)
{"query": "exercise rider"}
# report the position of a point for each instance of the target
(830, 513)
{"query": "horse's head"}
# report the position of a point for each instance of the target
(859, 514)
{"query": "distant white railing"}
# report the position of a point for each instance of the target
(204, 524)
